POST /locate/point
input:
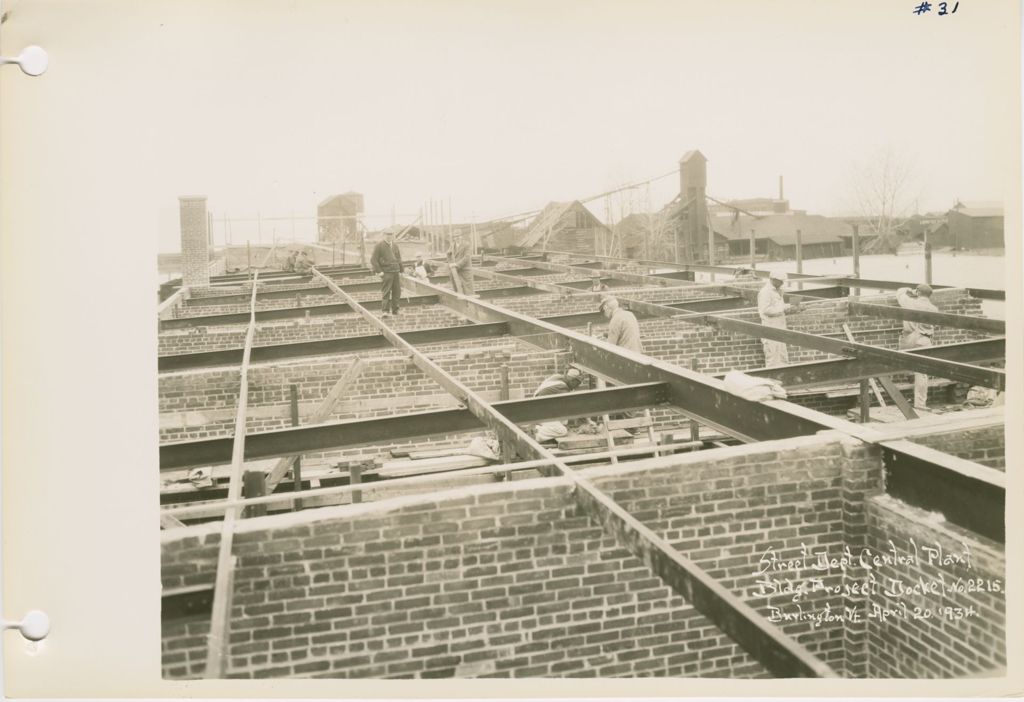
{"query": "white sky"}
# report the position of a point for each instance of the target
(270, 106)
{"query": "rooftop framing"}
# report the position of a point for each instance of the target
(639, 381)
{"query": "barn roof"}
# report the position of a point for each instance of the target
(814, 229)
(979, 209)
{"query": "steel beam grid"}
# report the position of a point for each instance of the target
(896, 360)
(942, 319)
(361, 432)
(777, 652)
(703, 398)
(695, 395)
(811, 373)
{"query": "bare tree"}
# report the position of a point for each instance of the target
(883, 192)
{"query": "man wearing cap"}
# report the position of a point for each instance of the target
(386, 261)
(623, 329)
(596, 284)
(461, 265)
(773, 309)
(556, 384)
(917, 334)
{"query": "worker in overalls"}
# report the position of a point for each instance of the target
(773, 310)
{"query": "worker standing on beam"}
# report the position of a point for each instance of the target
(773, 310)
(917, 335)
(461, 264)
(386, 261)
(623, 329)
(596, 284)
(556, 384)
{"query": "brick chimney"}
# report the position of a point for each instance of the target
(195, 252)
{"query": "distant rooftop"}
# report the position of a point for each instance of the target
(980, 208)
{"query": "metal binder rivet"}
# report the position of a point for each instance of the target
(33, 60)
(34, 626)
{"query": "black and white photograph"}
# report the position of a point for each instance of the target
(545, 341)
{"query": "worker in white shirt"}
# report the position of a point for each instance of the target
(420, 269)
(917, 335)
(623, 329)
(773, 310)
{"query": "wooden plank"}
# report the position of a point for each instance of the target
(396, 469)
(321, 413)
(630, 423)
(169, 521)
(578, 441)
(897, 397)
(865, 403)
(170, 302)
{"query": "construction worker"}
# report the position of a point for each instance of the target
(596, 284)
(917, 335)
(460, 261)
(556, 384)
(420, 270)
(303, 263)
(289, 264)
(386, 261)
(773, 310)
(623, 329)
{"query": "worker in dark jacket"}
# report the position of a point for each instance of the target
(555, 385)
(386, 261)
(303, 263)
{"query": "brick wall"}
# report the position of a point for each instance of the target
(985, 445)
(514, 579)
(958, 629)
(201, 404)
(744, 513)
(496, 581)
(314, 328)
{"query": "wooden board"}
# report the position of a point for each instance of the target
(593, 441)
(397, 469)
(883, 415)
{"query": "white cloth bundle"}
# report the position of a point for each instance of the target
(752, 388)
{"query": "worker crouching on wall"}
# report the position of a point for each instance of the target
(556, 384)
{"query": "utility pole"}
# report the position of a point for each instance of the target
(856, 256)
(799, 254)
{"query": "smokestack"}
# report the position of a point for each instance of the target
(780, 189)
(195, 252)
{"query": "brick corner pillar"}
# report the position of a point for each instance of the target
(861, 479)
(195, 252)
